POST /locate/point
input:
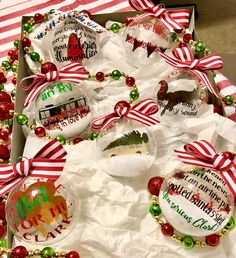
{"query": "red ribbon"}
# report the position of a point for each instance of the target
(184, 59)
(172, 20)
(47, 163)
(73, 72)
(140, 112)
(203, 154)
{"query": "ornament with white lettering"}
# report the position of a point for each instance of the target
(73, 41)
(62, 108)
(196, 202)
(40, 211)
(180, 95)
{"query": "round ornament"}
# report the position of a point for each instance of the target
(181, 95)
(40, 211)
(62, 108)
(144, 37)
(196, 202)
(73, 41)
(126, 150)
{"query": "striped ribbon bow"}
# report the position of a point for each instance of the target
(73, 72)
(203, 154)
(172, 20)
(140, 112)
(184, 59)
(47, 163)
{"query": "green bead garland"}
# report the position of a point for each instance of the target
(1, 87)
(155, 209)
(228, 100)
(187, 242)
(61, 139)
(115, 27)
(93, 136)
(22, 119)
(28, 27)
(116, 74)
(173, 36)
(134, 95)
(231, 224)
(16, 43)
(47, 252)
(6, 64)
(200, 47)
(14, 68)
(34, 56)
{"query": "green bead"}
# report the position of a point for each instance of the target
(115, 27)
(213, 73)
(8, 122)
(14, 68)
(187, 242)
(13, 92)
(93, 136)
(22, 119)
(228, 100)
(34, 56)
(61, 139)
(173, 36)
(47, 252)
(134, 95)
(155, 209)
(231, 224)
(27, 27)
(200, 47)
(6, 64)
(1, 87)
(116, 74)
(16, 43)
(3, 243)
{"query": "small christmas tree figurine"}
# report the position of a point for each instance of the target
(131, 143)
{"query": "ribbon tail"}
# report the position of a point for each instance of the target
(169, 23)
(103, 121)
(230, 179)
(9, 186)
(181, 17)
(204, 78)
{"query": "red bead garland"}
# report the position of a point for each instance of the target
(5, 107)
(40, 131)
(48, 67)
(2, 211)
(167, 229)
(4, 152)
(212, 240)
(19, 252)
(26, 42)
(4, 135)
(5, 97)
(38, 18)
(154, 185)
(72, 254)
(100, 76)
(187, 37)
(130, 81)
(2, 231)
(3, 79)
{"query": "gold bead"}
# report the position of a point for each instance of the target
(63, 254)
(154, 199)
(67, 142)
(57, 254)
(41, 61)
(221, 235)
(1, 142)
(8, 251)
(203, 244)
(225, 231)
(25, 33)
(30, 253)
(1, 249)
(197, 243)
(37, 252)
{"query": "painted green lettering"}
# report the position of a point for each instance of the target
(61, 87)
(22, 204)
(69, 86)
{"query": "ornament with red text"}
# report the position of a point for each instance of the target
(62, 108)
(126, 147)
(40, 211)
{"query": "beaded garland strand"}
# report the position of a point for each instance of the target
(167, 229)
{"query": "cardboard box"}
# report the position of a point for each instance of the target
(18, 138)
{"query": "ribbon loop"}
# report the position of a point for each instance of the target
(47, 163)
(203, 154)
(73, 72)
(184, 59)
(173, 20)
(140, 112)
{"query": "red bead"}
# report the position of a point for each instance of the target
(26, 42)
(212, 240)
(187, 37)
(154, 185)
(229, 155)
(40, 131)
(5, 107)
(19, 252)
(182, 44)
(13, 54)
(122, 104)
(130, 81)
(167, 229)
(72, 254)
(38, 17)
(4, 135)
(2, 231)
(4, 152)
(48, 67)
(3, 79)
(5, 97)
(2, 211)
(14, 80)
(100, 76)
(77, 140)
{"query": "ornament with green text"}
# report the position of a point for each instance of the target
(40, 211)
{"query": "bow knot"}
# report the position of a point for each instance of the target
(203, 154)
(184, 59)
(73, 72)
(22, 168)
(47, 163)
(140, 112)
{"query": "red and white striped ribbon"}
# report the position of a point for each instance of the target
(172, 20)
(203, 154)
(140, 112)
(47, 163)
(73, 72)
(184, 59)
